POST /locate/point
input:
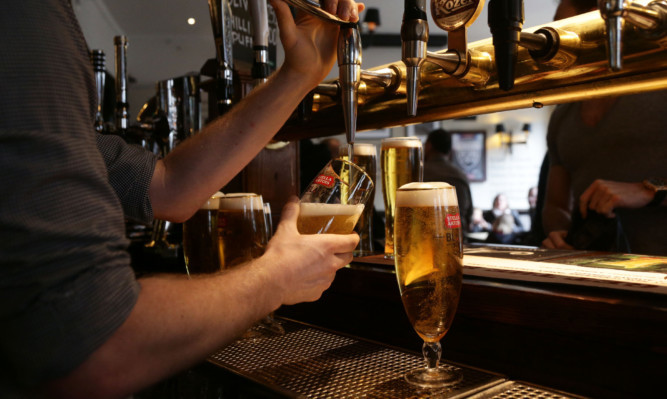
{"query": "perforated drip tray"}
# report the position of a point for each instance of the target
(308, 362)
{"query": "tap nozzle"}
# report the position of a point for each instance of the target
(349, 69)
(260, 41)
(414, 36)
(612, 12)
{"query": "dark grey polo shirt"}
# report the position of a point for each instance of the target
(65, 279)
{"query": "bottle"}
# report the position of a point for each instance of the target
(122, 105)
(98, 59)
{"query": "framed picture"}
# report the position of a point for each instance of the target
(469, 154)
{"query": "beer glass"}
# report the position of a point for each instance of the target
(200, 238)
(429, 270)
(401, 160)
(335, 199)
(365, 156)
(241, 228)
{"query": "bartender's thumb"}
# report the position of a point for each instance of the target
(290, 213)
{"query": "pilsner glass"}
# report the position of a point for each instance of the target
(200, 238)
(335, 199)
(365, 156)
(401, 160)
(241, 228)
(429, 270)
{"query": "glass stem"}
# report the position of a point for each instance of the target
(432, 352)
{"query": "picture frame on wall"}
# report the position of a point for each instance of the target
(469, 154)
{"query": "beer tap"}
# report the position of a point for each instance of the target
(122, 105)
(414, 38)
(260, 41)
(651, 17)
(349, 74)
(98, 59)
(221, 22)
(455, 19)
(506, 22)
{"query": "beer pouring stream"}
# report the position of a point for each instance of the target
(221, 22)
(260, 41)
(414, 38)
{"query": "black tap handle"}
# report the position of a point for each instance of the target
(506, 22)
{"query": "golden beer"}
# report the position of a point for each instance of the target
(364, 156)
(318, 218)
(241, 229)
(401, 161)
(429, 256)
(200, 239)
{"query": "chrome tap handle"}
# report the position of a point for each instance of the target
(612, 12)
(349, 71)
(221, 22)
(414, 38)
(260, 41)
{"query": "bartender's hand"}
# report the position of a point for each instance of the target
(303, 266)
(309, 41)
(603, 196)
(556, 240)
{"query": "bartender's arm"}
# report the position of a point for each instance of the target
(556, 215)
(203, 164)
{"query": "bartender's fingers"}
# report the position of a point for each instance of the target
(556, 240)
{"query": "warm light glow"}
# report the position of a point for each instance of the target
(191, 21)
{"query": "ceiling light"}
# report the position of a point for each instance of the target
(191, 21)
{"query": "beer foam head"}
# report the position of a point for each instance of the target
(426, 194)
(213, 202)
(359, 149)
(394, 142)
(318, 209)
(236, 201)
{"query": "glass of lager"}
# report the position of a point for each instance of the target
(365, 156)
(334, 200)
(241, 228)
(401, 160)
(429, 269)
(200, 238)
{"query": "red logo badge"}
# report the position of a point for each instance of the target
(326, 181)
(454, 221)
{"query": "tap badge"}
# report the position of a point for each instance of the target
(454, 14)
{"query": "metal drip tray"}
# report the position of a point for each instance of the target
(311, 363)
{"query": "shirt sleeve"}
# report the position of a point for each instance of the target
(130, 169)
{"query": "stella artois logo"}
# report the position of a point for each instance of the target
(453, 221)
(324, 180)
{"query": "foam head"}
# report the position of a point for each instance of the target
(319, 209)
(360, 149)
(240, 201)
(426, 194)
(397, 142)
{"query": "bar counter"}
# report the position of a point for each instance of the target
(512, 338)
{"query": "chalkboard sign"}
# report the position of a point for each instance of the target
(242, 36)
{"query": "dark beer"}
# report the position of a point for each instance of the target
(200, 239)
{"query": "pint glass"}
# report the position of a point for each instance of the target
(335, 199)
(200, 239)
(402, 162)
(429, 269)
(364, 156)
(241, 228)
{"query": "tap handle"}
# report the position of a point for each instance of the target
(612, 12)
(349, 68)
(506, 22)
(260, 40)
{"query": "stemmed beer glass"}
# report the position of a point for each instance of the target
(429, 268)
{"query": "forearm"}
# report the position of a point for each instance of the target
(209, 160)
(175, 323)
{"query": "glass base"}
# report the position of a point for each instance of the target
(433, 378)
(266, 328)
